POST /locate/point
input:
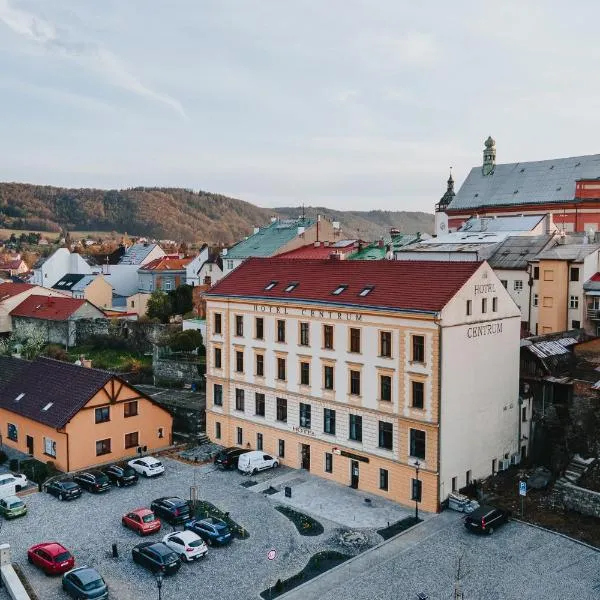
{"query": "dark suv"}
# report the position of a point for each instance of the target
(228, 457)
(172, 509)
(486, 519)
(121, 475)
(93, 481)
(64, 489)
(211, 530)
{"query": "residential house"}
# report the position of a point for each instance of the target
(77, 417)
(89, 287)
(204, 269)
(166, 273)
(12, 265)
(386, 247)
(49, 270)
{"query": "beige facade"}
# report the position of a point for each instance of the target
(138, 303)
(99, 292)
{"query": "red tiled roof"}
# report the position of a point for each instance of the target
(8, 290)
(167, 263)
(321, 251)
(595, 277)
(50, 308)
(13, 263)
(398, 285)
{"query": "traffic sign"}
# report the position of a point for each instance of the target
(522, 488)
(271, 554)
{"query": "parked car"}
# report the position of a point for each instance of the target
(156, 556)
(211, 530)
(142, 521)
(255, 461)
(228, 457)
(51, 557)
(93, 481)
(85, 582)
(12, 506)
(21, 482)
(186, 544)
(64, 489)
(486, 519)
(148, 466)
(172, 509)
(121, 475)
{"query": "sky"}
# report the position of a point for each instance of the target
(348, 104)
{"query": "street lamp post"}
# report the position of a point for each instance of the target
(417, 490)
(159, 582)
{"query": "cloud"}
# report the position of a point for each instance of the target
(89, 54)
(412, 49)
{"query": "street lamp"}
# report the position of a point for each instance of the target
(159, 582)
(416, 491)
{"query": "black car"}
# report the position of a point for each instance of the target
(121, 475)
(93, 481)
(211, 530)
(486, 519)
(64, 489)
(156, 556)
(228, 457)
(172, 509)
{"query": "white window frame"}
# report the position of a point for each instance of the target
(518, 285)
(573, 302)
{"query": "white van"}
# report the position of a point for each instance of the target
(252, 462)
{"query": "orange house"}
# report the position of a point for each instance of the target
(75, 416)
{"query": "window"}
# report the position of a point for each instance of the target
(417, 443)
(130, 409)
(239, 399)
(518, 285)
(259, 328)
(304, 415)
(49, 447)
(455, 484)
(536, 299)
(328, 377)
(260, 365)
(484, 305)
(218, 358)
(383, 479)
(339, 289)
(281, 449)
(494, 304)
(418, 394)
(102, 414)
(259, 404)
(328, 337)
(240, 436)
(547, 302)
(161, 433)
(131, 440)
(356, 428)
(328, 462)
(575, 325)
(218, 324)
(304, 334)
(417, 489)
(468, 477)
(281, 331)
(366, 291)
(385, 344)
(217, 430)
(281, 369)
(329, 421)
(574, 274)
(270, 285)
(259, 441)
(524, 414)
(304, 373)
(218, 394)
(239, 361)
(548, 275)
(354, 339)
(574, 302)
(230, 265)
(504, 282)
(418, 348)
(103, 447)
(385, 388)
(282, 409)
(291, 286)
(168, 285)
(355, 383)
(386, 435)
(469, 307)
(239, 325)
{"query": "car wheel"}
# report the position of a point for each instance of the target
(254, 471)
(29, 559)
(490, 531)
(209, 542)
(61, 497)
(146, 474)
(275, 465)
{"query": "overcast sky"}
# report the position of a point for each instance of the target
(357, 104)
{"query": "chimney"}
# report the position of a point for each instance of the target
(394, 231)
(549, 224)
(325, 243)
(334, 256)
(224, 252)
(380, 243)
(317, 244)
(335, 224)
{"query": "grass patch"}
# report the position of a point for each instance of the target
(304, 524)
(112, 359)
(318, 563)
(398, 527)
(206, 509)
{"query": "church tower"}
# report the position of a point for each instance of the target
(489, 156)
(441, 218)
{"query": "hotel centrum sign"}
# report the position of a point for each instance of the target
(308, 312)
(486, 328)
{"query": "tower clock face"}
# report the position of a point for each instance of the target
(442, 226)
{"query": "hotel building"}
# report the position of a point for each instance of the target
(359, 371)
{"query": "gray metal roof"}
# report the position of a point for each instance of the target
(136, 254)
(516, 251)
(526, 182)
(504, 223)
(572, 252)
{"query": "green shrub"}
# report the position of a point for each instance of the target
(56, 352)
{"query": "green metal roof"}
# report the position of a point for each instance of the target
(269, 239)
(376, 251)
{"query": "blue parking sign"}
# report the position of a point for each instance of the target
(522, 488)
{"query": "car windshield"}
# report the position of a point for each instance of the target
(196, 544)
(68, 485)
(155, 465)
(93, 585)
(128, 471)
(221, 526)
(101, 479)
(16, 504)
(171, 557)
(62, 556)
(148, 518)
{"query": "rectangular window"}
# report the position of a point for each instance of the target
(103, 447)
(383, 479)
(218, 324)
(12, 433)
(386, 435)
(217, 358)
(102, 414)
(49, 447)
(229, 265)
(218, 394)
(416, 489)
(304, 334)
(356, 428)
(385, 388)
(455, 484)
(281, 331)
(355, 383)
(260, 365)
(518, 285)
(524, 414)
(469, 307)
(259, 441)
(574, 274)
(548, 275)
(259, 404)
(575, 324)
(282, 409)
(239, 361)
(494, 304)
(281, 449)
(418, 394)
(417, 443)
(418, 348)
(130, 409)
(536, 299)
(281, 369)
(328, 337)
(239, 399)
(536, 273)
(354, 339)
(547, 302)
(329, 421)
(574, 302)
(217, 430)
(385, 344)
(504, 282)
(328, 462)
(468, 477)
(131, 440)
(304, 415)
(304, 373)
(484, 305)
(239, 325)
(328, 377)
(259, 328)
(240, 436)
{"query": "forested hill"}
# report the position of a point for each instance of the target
(171, 213)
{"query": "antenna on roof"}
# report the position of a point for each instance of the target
(303, 214)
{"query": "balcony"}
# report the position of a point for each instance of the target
(593, 314)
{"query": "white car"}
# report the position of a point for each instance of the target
(21, 482)
(186, 544)
(147, 466)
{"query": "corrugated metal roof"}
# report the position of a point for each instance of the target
(136, 254)
(546, 349)
(525, 183)
(572, 252)
(505, 223)
(517, 250)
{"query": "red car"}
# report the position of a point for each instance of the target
(51, 557)
(142, 521)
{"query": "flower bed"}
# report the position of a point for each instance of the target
(205, 509)
(304, 524)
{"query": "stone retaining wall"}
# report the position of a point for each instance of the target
(581, 500)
